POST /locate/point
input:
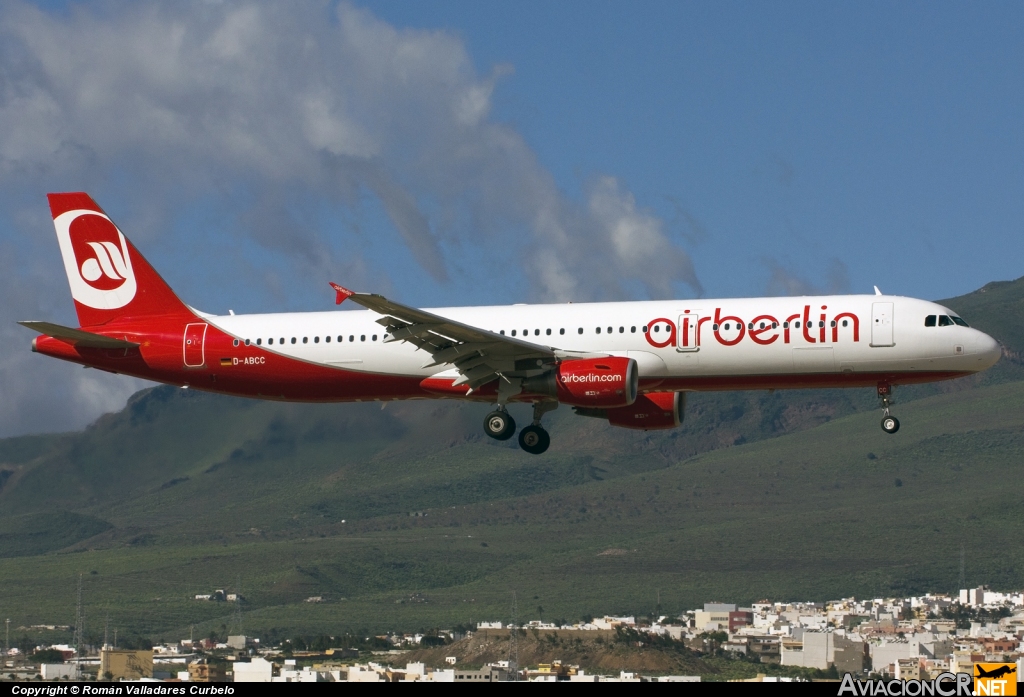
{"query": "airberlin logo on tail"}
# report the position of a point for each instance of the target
(96, 259)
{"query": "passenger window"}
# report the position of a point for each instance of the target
(235, 342)
(632, 330)
(598, 330)
(833, 323)
(513, 332)
(657, 327)
(845, 323)
(821, 323)
(305, 339)
(561, 331)
(959, 321)
(374, 337)
(548, 332)
(622, 330)
(785, 325)
(775, 325)
(259, 342)
(502, 332)
(580, 330)
(536, 332)
(796, 325)
(362, 337)
(316, 340)
(281, 340)
(609, 330)
(726, 326)
(327, 339)
(351, 337)
(714, 327)
(246, 342)
(270, 342)
(945, 321)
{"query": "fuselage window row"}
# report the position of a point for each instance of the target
(327, 339)
(929, 321)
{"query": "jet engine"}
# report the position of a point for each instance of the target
(598, 383)
(653, 411)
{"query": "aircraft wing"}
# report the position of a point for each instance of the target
(479, 355)
(77, 337)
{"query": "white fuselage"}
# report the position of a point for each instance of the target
(674, 340)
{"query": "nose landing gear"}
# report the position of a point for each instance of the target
(890, 424)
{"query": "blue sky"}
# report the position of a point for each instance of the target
(471, 153)
(887, 136)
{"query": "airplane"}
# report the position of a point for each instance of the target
(631, 363)
(996, 673)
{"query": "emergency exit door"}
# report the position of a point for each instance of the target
(195, 335)
(689, 339)
(881, 324)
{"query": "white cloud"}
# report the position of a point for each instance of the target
(293, 102)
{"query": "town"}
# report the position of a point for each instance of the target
(917, 637)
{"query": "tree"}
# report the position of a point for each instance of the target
(48, 656)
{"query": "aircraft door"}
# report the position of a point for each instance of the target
(689, 339)
(881, 324)
(195, 336)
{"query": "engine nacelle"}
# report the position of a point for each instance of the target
(656, 410)
(596, 383)
(653, 411)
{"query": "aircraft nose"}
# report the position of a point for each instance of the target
(987, 349)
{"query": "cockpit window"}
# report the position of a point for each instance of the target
(945, 321)
(959, 321)
(929, 321)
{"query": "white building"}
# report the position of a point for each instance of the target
(257, 670)
(54, 671)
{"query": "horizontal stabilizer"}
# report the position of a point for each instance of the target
(78, 337)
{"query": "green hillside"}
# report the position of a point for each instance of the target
(408, 517)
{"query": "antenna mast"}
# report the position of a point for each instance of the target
(79, 623)
(963, 578)
(513, 644)
(237, 619)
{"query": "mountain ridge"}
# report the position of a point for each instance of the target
(408, 516)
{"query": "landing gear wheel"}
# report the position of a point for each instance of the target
(499, 425)
(890, 424)
(534, 440)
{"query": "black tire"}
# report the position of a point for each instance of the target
(890, 424)
(499, 425)
(534, 440)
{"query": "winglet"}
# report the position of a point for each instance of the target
(877, 292)
(342, 292)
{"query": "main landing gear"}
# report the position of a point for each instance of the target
(499, 424)
(890, 424)
(534, 439)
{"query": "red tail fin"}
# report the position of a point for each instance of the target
(109, 278)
